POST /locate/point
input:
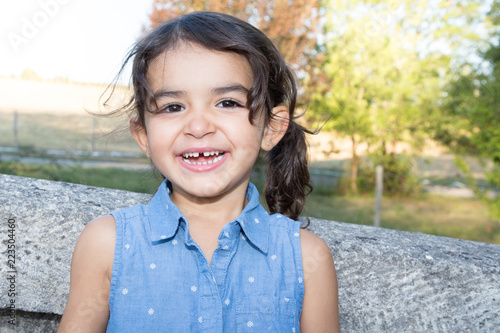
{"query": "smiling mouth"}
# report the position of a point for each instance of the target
(205, 158)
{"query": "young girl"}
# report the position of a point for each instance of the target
(210, 92)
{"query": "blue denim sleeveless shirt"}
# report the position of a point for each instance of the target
(162, 282)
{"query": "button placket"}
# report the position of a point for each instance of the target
(221, 258)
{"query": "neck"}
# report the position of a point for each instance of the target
(211, 213)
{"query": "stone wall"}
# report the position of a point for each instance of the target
(389, 281)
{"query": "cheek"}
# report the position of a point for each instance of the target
(160, 135)
(249, 138)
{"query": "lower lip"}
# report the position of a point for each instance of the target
(202, 167)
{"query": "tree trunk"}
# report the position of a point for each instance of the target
(354, 165)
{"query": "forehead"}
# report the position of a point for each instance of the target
(188, 64)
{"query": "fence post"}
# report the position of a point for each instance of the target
(16, 140)
(92, 138)
(379, 185)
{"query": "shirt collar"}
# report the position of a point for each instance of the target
(254, 220)
(164, 217)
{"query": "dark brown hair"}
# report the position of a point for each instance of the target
(287, 179)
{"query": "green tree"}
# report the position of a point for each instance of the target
(385, 69)
(473, 108)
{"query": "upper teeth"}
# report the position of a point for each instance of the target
(207, 153)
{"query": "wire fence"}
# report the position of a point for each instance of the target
(82, 133)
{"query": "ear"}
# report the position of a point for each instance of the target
(139, 133)
(276, 129)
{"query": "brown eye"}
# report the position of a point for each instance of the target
(172, 108)
(229, 103)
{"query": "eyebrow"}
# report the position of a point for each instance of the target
(215, 91)
(231, 88)
(168, 93)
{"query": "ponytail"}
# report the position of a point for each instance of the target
(287, 179)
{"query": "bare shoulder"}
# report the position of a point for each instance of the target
(87, 308)
(311, 242)
(97, 243)
(320, 306)
(316, 256)
(102, 223)
(100, 232)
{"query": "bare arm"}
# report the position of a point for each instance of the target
(320, 312)
(87, 309)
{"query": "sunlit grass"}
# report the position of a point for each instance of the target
(463, 218)
(135, 181)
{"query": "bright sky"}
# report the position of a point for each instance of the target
(82, 40)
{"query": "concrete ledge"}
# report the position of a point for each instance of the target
(389, 281)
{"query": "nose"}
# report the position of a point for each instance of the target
(199, 123)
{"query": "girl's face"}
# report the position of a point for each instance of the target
(201, 138)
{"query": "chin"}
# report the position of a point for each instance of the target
(209, 190)
(199, 189)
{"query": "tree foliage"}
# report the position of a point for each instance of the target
(385, 69)
(473, 108)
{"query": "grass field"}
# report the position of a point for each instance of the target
(463, 218)
(67, 132)
(456, 217)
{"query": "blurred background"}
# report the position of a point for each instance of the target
(410, 85)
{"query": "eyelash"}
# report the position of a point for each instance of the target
(166, 107)
(234, 104)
